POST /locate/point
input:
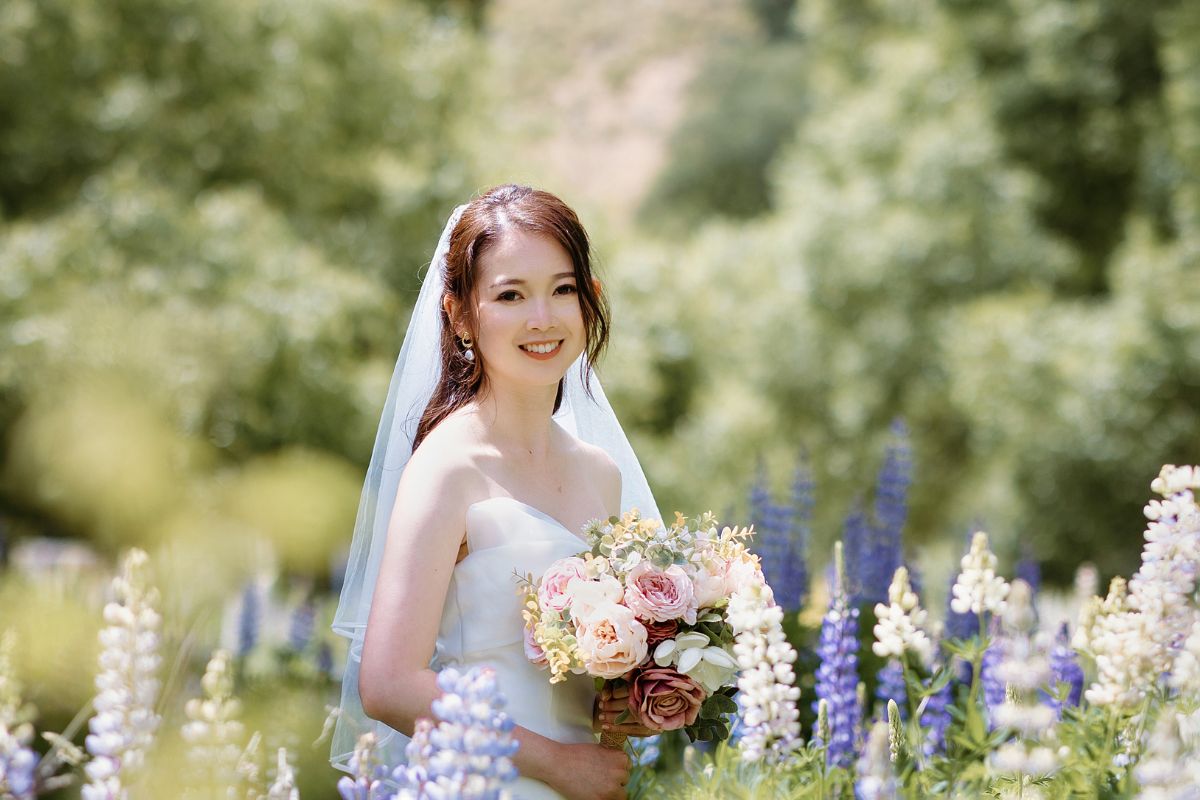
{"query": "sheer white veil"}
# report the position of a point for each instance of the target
(414, 379)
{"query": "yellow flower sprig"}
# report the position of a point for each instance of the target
(552, 632)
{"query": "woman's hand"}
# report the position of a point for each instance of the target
(591, 772)
(611, 701)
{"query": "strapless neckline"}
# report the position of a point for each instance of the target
(537, 512)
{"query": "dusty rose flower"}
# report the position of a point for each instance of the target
(611, 640)
(660, 631)
(663, 699)
(660, 594)
(533, 651)
(552, 594)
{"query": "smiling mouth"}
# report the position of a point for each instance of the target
(542, 350)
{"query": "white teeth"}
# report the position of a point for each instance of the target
(541, 348)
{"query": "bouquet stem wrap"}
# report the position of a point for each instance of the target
(613, 741)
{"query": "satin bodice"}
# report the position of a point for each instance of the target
(482, 624)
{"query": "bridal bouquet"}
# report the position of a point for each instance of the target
(646, 607)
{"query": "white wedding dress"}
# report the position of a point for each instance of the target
(482, 623)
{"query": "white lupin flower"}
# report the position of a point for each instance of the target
(124, 724)
(1162, 772)
(213, 733)
(876, 776)
(979, 588)
(1123, 650)
(1142, 639)
(284, 787)
(1161, 588)
(1186, 675)
(770, 719)
(898, 629)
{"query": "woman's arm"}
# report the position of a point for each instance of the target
(424, 533)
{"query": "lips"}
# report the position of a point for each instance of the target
(542, 351)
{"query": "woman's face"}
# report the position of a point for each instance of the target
(529, 325)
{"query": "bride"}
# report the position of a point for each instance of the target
(496, 445)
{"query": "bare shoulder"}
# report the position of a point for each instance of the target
(599, 463)
(444, 465)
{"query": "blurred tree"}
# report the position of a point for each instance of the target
(341, 114)
(744, 105)
(1075, 87)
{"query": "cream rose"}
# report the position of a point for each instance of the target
(611, 640)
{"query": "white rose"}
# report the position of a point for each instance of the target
(586, 595)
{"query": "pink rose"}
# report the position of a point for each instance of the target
(660, 594)
(533, 650)
(552, 595)
(660, 631)
(663, 699)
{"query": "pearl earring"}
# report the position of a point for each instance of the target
(467, 341)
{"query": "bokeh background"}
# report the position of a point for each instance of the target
(819, 222)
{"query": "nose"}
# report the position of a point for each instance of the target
(541, 315)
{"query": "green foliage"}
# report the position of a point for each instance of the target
(743, 107)
(336, 112)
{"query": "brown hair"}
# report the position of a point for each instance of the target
(483, 222)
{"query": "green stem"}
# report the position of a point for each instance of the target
(977, 662)
(914, 723)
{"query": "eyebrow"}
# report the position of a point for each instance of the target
(519, 282)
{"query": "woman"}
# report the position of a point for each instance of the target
(496, 445)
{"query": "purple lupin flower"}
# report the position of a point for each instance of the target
(779, 542)
(1029, 569)
(1064, 668)
(891, 487)
(469, 753)
(18, 762)
(856, 533)
(891, 686)
(249, 618)
(802, 498)
(300, 627)
(993, 657)
(837, 675)
(874, 548)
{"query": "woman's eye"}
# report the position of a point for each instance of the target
(570, 289)
(509, 295)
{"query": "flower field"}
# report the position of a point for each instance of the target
(995, 700)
